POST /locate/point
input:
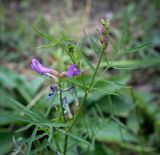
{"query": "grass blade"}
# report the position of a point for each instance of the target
(28, 149)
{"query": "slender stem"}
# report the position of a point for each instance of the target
(74, 121)
(60, 98)
(57, 143)
(84, 99)
(97, 67)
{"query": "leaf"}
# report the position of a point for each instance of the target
(138, 148)
(115, 83)
(120, 105)
(137, 63)
(24, 128)
(18, 117)
(142, 46)
(4, 120)
(6, 143)
(50, 134)
(29, 120)
(33, 117)
(31, 139)
(51, 38)
(53, 124)
(124, 32)
(133, 122)
(112, 132)
(104, 91)
(104, 87)
(18, 106)
(95, 47)
(10, 79)
(37, 137)
(40, 148)
(74, 136)
(56, 43)
(77, 82)
(23, 91)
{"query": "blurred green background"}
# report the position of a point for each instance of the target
(128, 123)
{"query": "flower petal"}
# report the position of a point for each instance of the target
(73, 71)
(39, 68)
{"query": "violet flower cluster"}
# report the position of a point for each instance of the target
(55, 75)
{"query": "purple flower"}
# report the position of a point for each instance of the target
(73, 71)
(39, 68)
(50, 96)
(101, 29)
(53, 92)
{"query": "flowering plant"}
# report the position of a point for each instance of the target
(65, 121)
(73, 71)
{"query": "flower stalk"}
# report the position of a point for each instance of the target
(103, 32)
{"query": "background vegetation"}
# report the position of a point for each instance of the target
(127, 123)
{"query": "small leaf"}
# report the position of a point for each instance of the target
(124, 32)
(137, 63)
(53, 124)
(142, 46)
(74, 136)
(24, 128)
(26, 140)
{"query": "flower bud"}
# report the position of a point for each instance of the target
(106, 40)
(102, 21)
(107, 24)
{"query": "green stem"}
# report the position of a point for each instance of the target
(97, 67)
(84, 100)
(60, 98)
(74, 121)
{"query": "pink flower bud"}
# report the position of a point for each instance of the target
(101, 29)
